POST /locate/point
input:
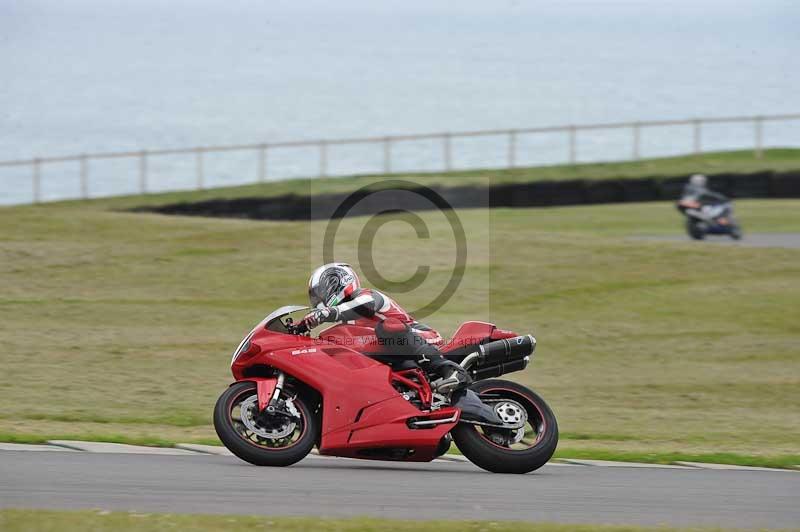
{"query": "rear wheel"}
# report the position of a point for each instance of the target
(259, 437)
(510, 451)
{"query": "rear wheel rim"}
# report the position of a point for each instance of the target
(523, 439)
(265, 431)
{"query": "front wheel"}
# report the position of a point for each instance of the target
(696, 230)
(258, 437)
(510, 451)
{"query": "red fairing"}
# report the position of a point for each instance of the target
(499, 334)
(357, 337)
(470, 333)
(363, 415)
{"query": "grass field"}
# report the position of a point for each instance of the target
(119, 326)
(91, 521)
(744, 161)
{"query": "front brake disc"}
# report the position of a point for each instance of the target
(249, 414)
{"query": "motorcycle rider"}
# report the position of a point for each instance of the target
(336, 295)
(706, 211)
(698, 189)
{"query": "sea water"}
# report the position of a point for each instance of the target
(92, 76)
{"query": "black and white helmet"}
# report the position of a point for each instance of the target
(330, 284)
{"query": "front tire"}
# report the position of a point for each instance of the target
(482, 447)
(262, 447)
(696, 230)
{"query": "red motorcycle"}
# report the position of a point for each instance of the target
(294, 392)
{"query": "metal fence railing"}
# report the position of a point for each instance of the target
(386, 145)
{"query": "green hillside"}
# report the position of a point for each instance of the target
(120, 325)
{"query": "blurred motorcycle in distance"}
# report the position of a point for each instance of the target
(706, 216)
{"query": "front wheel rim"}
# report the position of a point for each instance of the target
(265, 431)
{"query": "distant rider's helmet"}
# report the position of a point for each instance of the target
(331, 284)
(698, 180)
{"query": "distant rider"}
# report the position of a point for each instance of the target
(336, 295)
(698, 189)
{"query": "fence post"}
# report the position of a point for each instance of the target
(573, 151)
(448, 162)
(758, 127)
(262, 163)
(387, 155)
(199, 168)
(636, 139)
(37, 180)
(697, 136)
(143, 171)
(84, 177)
(323, 158)
(512, 148)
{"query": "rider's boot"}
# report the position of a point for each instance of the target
(455, 379)
(453, 376)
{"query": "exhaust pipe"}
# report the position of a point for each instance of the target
(507, 349)
(488, 372)
(499, 357)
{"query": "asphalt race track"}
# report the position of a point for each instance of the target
(333, 487)
(751, 240)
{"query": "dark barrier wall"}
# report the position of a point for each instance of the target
(535, 194)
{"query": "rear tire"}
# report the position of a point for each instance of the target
(250, 451)
(499, 459)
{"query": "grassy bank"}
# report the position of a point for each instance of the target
(85, 521)
(119, 326)
(742, 162)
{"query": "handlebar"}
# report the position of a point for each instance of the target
(297, 328)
